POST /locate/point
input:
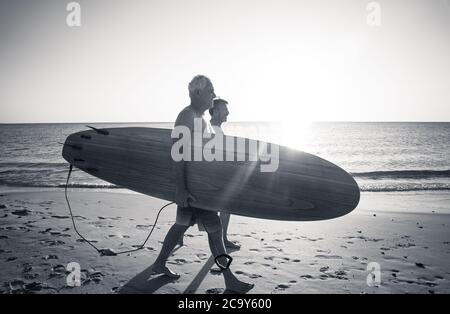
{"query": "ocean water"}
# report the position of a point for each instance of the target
(386, 156)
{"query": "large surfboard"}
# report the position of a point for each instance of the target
(304, 187)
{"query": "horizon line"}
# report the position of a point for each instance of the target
(238, 121)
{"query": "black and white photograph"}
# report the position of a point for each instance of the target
(224, 147)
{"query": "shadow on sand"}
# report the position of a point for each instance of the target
(141, 284)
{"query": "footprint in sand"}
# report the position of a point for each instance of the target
(60, 217)
(99, 224)
(324, 269)
(328, 256)
(252, 276)
(26, 268)
(341, 274)
(143, 227)
(20, 287)
(50, 256)
(82, 240)
(178, 261)
(202, 256)
(366, 239)
(21, 212)
(52, 242)
(306, 277)
(30, 276)
(94, 276)
(420, 265)
(269, 265)
(215, 291)
(314, 240)
(282, 287)
(119, 236)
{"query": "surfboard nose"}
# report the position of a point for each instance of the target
(72, 148)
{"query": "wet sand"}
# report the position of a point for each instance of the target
(407, 234)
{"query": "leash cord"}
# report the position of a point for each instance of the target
(107, 251)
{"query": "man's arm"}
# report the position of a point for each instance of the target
(182, 194)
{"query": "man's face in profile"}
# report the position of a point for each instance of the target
(206, 97)
(222, 113)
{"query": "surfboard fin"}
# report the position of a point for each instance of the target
(102, 132)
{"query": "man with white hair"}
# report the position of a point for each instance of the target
(201, 92)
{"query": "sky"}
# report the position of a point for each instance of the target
(283, 60)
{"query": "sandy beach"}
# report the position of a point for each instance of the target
(407, 234)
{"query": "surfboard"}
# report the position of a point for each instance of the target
(304, 187)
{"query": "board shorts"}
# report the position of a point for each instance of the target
(206, 220)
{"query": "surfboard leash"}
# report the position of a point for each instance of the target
(107, 252)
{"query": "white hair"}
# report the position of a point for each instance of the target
(199, 82)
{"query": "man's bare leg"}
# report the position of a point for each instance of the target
(170, 241)
(181, 240)
(225, 218)
(218, 248)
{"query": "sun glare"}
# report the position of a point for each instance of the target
(295, 132)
